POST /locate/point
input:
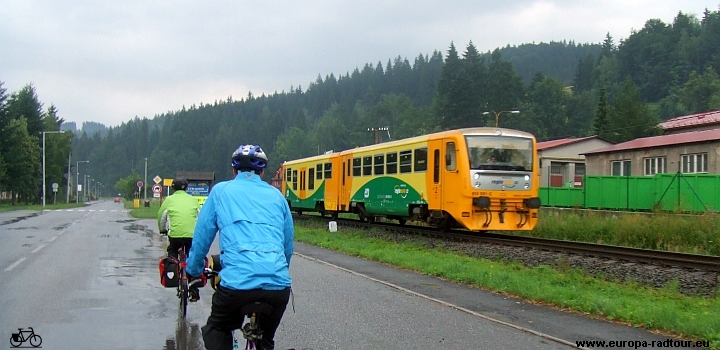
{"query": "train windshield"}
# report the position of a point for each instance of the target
(489, 152)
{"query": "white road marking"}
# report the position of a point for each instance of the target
(52, 239)
(15, 264)
(38, 249)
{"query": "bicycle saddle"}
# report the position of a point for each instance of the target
(257, 307)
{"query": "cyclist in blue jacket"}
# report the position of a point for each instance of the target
(256, 243)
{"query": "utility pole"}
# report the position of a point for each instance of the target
(145, 183)
(68, 177)
(378, 133)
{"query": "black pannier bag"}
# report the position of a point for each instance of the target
(169, 272)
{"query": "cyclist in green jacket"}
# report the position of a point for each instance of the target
(177, 217)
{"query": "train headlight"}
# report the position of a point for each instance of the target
(527, 186)
(477, 184)
(527, 177)
(476, 176)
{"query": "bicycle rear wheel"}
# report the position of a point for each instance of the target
(184, 295)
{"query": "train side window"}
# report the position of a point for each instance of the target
(450, 157)
(328, 171)
(367, 166)
(294, 180)
(311, 179)
(391, 163)
(436, 166)
(421, 159)
(357, 168)
(319, 172)
(379, 164)
(406, 161)
(288, 175)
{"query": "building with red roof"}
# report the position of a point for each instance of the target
(693, 122)
(562, 161)
(688, 152)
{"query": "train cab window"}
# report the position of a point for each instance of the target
(357, 168)
(367, 166)
(294, 180)
(406, 161)
(391, 163)
(311, 179)
(450, 157)
(421, 159)
(319, 172)
(379, 164)
(328, 170)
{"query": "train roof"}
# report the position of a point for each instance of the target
(423, 138)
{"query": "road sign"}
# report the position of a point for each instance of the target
(157, 188)
(157, 179)
(139, 184)
(156, 195)
(55, 187)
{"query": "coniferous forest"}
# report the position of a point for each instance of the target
(617, 90)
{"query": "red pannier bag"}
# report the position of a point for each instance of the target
(169, 272)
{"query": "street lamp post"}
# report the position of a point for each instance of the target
(497, 115)
(77, 178)
(43, 161)
(145, 183)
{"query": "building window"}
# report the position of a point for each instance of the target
(621, 168)
(694, 163)
(579, 169)
(657, 165)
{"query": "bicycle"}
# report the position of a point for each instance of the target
(251, 331)
(18, 338)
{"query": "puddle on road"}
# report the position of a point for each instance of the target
(61, 227)
(20, 218)
(187, 337)
(136, 228)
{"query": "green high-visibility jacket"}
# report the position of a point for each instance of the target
(178, 215)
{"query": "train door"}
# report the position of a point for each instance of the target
(332, 171)
(302, 195)
(454, 183)
(345, 183)
(434, 179)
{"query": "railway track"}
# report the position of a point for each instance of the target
(622, 254)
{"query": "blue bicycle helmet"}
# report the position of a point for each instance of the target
(249, 157)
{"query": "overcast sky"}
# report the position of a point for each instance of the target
(109, 61)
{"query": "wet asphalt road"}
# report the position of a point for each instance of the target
(88, 279)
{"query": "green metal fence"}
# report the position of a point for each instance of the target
(669, 192)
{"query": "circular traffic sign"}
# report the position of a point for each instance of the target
(156, 188)
(139, 184)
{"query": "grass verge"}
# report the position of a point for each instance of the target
(663, 310)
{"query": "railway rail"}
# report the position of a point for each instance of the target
(663, 258)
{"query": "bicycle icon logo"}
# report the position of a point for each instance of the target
(22, 336)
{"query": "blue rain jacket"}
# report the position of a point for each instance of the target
(256, 234)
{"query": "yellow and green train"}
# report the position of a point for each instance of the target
(477, 178)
